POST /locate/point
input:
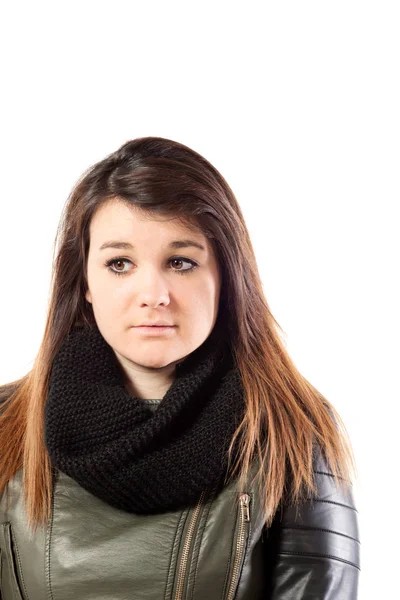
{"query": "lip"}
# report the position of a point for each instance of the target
(155, 330)
(156, 324)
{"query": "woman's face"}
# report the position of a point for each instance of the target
(150, 280)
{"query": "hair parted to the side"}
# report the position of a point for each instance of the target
(165, 178)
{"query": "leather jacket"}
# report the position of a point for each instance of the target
(218, 549)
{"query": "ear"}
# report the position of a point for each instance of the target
(88, 296)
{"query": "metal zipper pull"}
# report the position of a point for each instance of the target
(245, 503)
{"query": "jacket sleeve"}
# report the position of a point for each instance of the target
(313, 552)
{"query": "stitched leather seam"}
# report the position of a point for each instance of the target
(337, 503)
(320, 529)
(48, 537)
(332, 475)
(348, 562)
(184, 516)
(12, 536)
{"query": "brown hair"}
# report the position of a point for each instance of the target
(166, 178)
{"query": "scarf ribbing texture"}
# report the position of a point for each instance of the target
(118, 448)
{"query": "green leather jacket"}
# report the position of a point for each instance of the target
(218, 549)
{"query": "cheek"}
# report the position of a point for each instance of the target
(202, 300)
(106, 294)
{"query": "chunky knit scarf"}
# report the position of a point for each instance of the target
(133, 457)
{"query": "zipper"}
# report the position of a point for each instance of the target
(244, 519)
(185, 553)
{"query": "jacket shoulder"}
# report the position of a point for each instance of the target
(316, 545)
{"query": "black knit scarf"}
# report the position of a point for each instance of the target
(134, 458)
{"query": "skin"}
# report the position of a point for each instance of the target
(150, 289)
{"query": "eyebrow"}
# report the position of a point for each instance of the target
(176, 244)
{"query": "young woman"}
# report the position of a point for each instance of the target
(164, 445)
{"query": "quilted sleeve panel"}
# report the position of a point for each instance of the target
(313, 551)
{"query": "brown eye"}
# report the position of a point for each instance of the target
(181, 259)
(118, 262)
(177, 260)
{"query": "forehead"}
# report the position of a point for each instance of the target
(117, 218)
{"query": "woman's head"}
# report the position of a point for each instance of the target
(148, 195)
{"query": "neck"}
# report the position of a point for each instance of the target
(147, 390)
(147, 383)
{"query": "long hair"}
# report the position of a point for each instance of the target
(163, 177)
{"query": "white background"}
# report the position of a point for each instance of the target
(297, 104)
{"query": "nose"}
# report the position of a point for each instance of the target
(152, 289)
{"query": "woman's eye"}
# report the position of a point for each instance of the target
(114, 262)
